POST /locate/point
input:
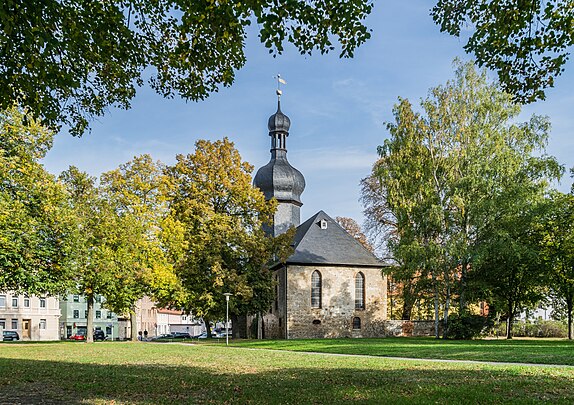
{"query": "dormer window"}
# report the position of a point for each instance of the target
(323, 224)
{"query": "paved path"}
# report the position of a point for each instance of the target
(414, 359)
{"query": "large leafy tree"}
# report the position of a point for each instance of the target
(136, 190)
(69, 60)
(558, 251)
(35, 219)
(527, 42)
(101, 240)
(447, 173)
(225, 248)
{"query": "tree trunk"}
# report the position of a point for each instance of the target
(509, 321)
(90, 323)
(463, 277)
(408, 301)
(446, 307)
(570, 304)
(259, 326)
(207, 327)
(436, 307)
(133, 325)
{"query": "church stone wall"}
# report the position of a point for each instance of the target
(335, 317)
(274, 320)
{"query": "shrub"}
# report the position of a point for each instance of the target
(466, 326)
(540, 328)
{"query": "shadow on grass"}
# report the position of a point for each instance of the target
(373, 381)
(517, 351)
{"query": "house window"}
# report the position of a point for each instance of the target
(356, 323)
(86, 314)
(26, 302)
(110, 314)
(2, 323)
(14, 323)
(98, 314)
(316, 290)
(42, 302)
(76, 298)
(76, 313)
(359, 291)
(42, 324)
(98, 298)
(15, 302)
(2, 301)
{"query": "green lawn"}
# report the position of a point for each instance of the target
(153, 373)
(539, 351)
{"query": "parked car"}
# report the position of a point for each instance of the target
(10, 335)
(172, 336)
(181, 335)
(80, 335)
(99, 335)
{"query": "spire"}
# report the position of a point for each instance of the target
(278, 179)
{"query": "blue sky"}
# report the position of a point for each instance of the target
(337, 108)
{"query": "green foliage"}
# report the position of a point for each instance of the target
(467, 326)
(224, 249)
(35, 220)
(526, 42)
(557, 245)
(455, 186)
(539, 328)
(69, 61)
(137, 191)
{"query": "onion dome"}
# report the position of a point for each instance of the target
(279, 122)
(278, 179)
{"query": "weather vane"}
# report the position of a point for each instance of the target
(280, 81)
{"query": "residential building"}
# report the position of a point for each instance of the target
(74, 319)
(33, 317)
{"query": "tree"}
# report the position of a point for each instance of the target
(509, 263)
(68, 61)
(137, 191)
(225, 249)
(35, 220)
(526, 42)
(558, 250)
(101, 246)
(354, 229)
(445, 174)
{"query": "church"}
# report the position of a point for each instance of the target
(331, 286)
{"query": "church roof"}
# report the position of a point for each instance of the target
(321, 240)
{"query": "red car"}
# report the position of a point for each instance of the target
(78, 336)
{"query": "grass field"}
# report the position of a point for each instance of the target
(150, 373)
(539, 351)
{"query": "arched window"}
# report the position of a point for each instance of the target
(316, 290)
(356, 323)
(359, 291)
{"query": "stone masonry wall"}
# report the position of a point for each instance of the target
(274, 320)
(335, 317)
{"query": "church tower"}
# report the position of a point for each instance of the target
(278, 179)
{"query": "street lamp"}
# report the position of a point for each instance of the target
(227, 295)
